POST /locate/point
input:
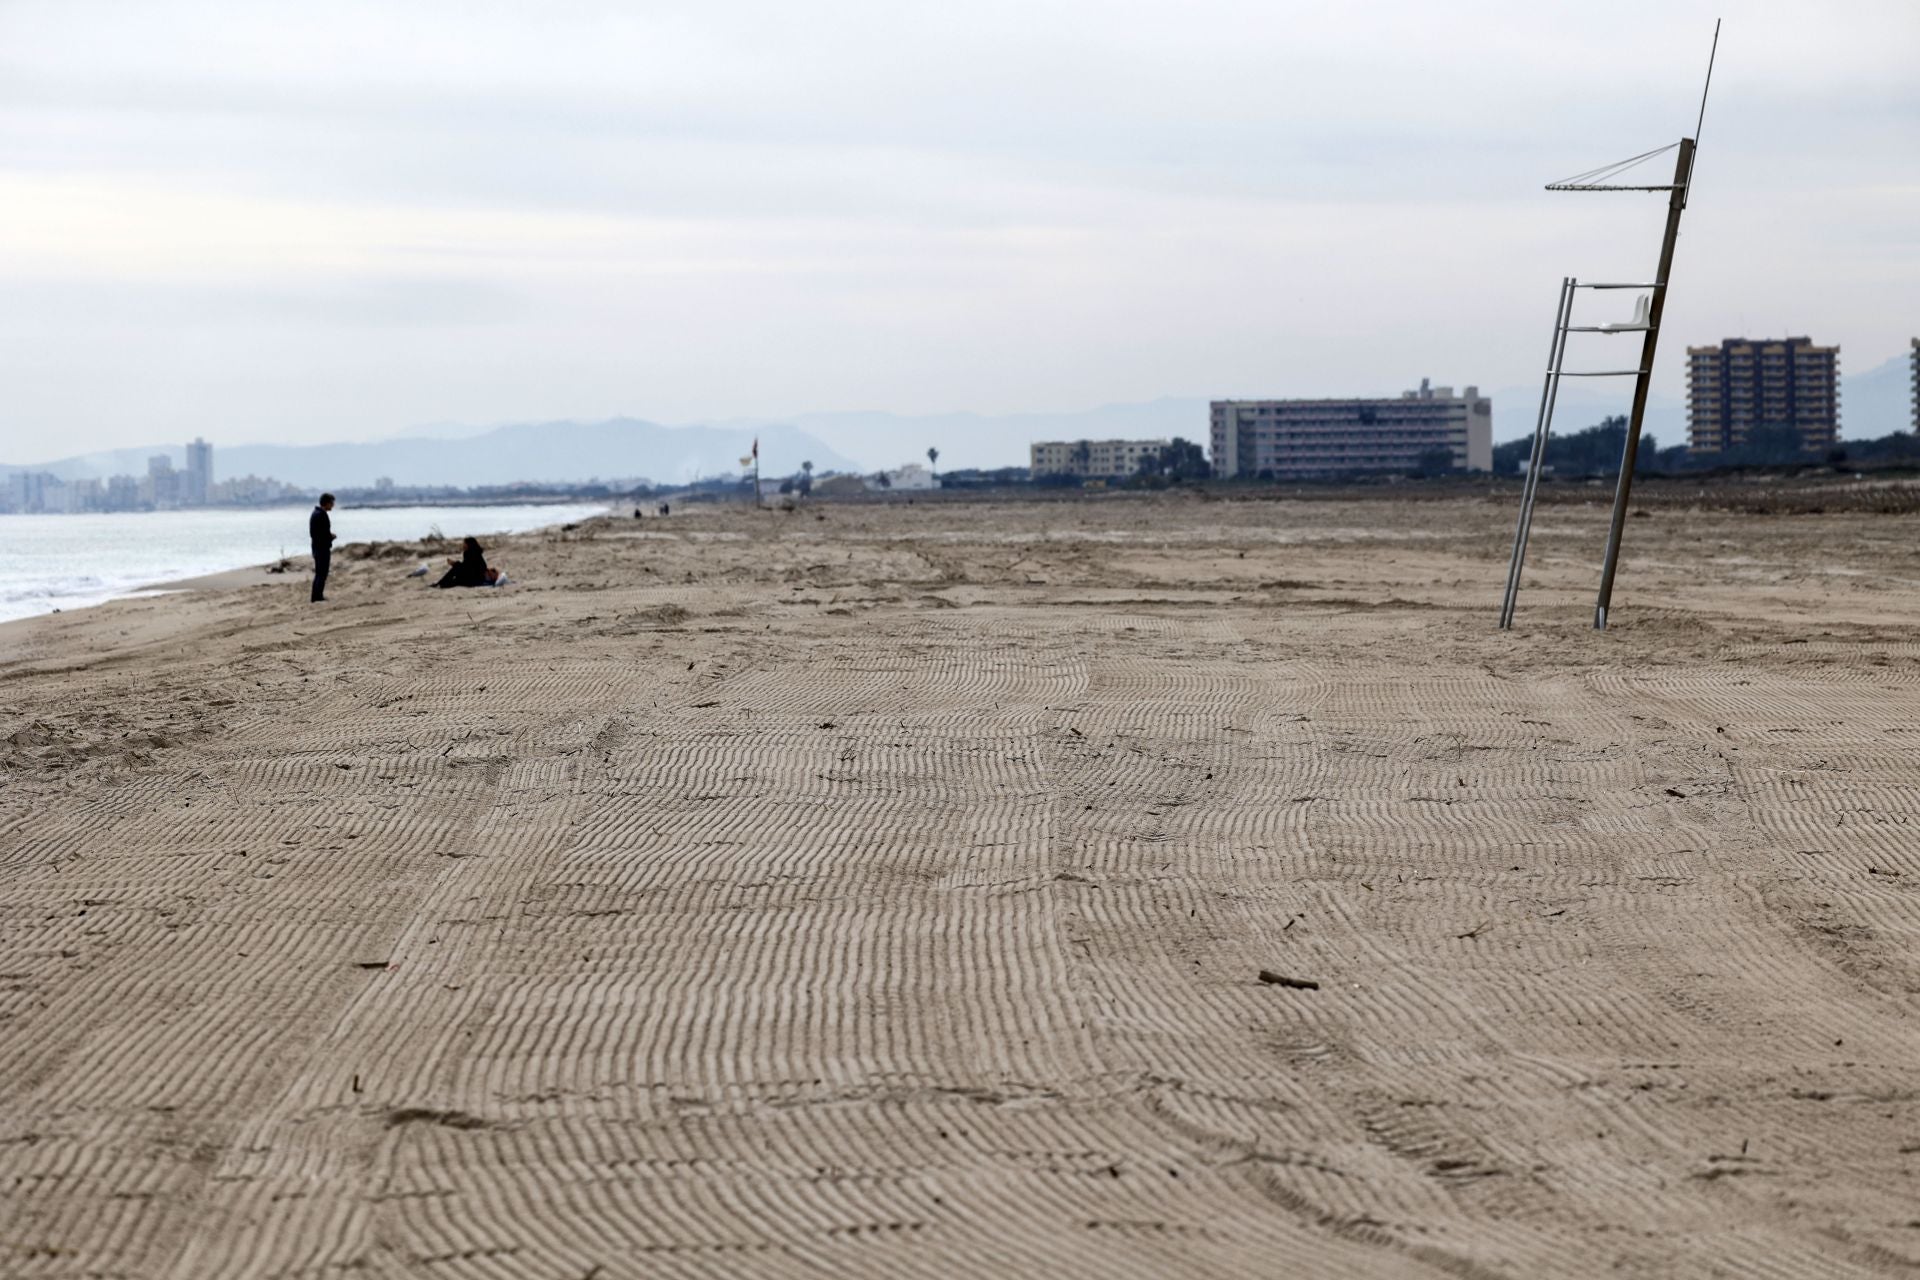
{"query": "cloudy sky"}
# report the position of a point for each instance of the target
(261, 221)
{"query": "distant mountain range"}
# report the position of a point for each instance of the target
(1872, 404)
(1877, 402)
(561, 452)
(1515, 410)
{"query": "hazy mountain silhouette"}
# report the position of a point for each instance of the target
(621, 448)
(1877, 402)
(1872, 404)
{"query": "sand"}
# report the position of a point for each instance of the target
(883, 890)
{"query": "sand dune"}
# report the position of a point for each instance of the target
(884, 890)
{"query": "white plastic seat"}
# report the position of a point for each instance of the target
(1642, 310)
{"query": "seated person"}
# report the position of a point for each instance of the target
(470, 570)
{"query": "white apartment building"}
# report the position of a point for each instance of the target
(1302, 439)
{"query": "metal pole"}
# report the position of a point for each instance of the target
(1629, 455)
(1543, 432)
(1537, 455)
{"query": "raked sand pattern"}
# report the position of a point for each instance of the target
(884, 891)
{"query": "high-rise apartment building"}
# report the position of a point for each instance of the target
(161, 488)
(198, 485)
(1092, 459)
(1742, 385)
(1301, 439)
(1916, 386)
(27, 490)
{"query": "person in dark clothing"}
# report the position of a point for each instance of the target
(470, 570)
(320, 530)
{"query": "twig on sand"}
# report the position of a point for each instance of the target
(1271, 978)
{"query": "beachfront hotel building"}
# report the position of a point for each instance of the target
(1092, 459)
(1916, 386)
(1303, 439)
(1743, 384)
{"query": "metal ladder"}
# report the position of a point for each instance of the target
(1549, 393)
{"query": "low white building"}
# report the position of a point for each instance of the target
(912, 477)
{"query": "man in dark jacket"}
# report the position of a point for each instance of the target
(320, 529)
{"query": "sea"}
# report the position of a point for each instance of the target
(56, 562)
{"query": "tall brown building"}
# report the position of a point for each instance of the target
(1916, 386)
(1743, 384)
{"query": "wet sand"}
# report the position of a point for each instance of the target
(884, 890)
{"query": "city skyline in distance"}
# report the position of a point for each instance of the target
(1874, 402)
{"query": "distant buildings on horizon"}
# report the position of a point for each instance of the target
(162, 489)
(1734, 388)
(1428, 429)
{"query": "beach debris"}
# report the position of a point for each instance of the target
(1273, 979)
(371, 965)
(448, 1117)
(1476, 931)
(1678, 795)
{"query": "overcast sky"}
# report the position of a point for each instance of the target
(302, 223)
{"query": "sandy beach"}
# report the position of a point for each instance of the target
(886, 889)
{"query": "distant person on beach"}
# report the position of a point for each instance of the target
(320, 530)
(470, 570)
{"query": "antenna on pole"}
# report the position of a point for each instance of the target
(1708, 85)
(1700, 121)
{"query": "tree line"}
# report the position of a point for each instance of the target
(1596, 451)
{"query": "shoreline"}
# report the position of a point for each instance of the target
(260, 573)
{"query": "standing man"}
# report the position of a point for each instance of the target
(320, 529)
